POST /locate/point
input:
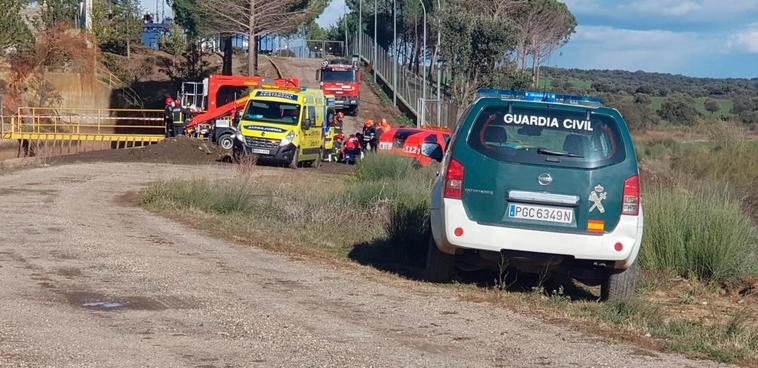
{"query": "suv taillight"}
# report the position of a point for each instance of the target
(454, 180)
(631, 203)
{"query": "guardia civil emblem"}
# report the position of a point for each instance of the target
(596, 197)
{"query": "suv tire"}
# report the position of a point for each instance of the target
(619, 287)
(440, 266)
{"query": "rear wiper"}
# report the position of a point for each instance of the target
(546, 151)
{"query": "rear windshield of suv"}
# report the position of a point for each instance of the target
(547, 136)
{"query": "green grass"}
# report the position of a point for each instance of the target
(733, 342)
(701, 232)
(700, 210)
(386, 199)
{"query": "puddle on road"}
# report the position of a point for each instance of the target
(98, 301)
(104, 305)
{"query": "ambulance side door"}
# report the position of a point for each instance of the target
(314, 133)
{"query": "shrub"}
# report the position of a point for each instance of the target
(701, 232)
(679, 109)
(408, 224)
(384, 166)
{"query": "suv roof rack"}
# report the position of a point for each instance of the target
(538, 96)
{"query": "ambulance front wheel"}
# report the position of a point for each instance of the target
(295, 156)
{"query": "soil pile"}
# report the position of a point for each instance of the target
(181, 150)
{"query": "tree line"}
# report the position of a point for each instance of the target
(496, 43)
(633, 92)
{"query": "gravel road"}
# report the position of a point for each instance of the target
(92, 281)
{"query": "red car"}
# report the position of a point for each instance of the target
(423, 144)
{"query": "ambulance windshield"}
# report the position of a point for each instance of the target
(272, 112)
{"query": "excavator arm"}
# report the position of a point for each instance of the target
(219, 112)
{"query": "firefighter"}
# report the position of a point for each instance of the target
(168, 117)
(369, 135)
(177, 115)
(339, 140)
(339, 119)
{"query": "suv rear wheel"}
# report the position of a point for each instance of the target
(619, 286)
(439, 266)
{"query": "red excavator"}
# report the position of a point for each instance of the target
(214, 102)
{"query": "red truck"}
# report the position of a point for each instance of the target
(216, 99)
(342, 79)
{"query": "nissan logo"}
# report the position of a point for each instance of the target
(545, 179)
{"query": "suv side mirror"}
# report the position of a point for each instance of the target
(433, 151)
(307, 124)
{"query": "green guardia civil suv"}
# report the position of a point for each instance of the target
(539, 181)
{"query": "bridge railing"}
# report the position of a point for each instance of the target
(85, 124)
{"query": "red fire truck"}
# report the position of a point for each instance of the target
(342, 78)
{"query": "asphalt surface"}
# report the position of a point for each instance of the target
(89, 280)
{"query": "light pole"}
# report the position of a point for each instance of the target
(344, 9)
(439, 94)
(376, 64)
(423, 78)
(360, 28)
(394, 52)
(439, 63)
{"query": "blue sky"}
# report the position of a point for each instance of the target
(703, 38)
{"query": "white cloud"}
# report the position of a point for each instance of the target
(746, 40)
(605, 47)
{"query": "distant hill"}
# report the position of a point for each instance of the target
(734, 97)
(653, 84)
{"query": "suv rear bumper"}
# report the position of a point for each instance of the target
(450, 215)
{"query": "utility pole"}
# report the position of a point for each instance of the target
(394, 52)
(423, 78)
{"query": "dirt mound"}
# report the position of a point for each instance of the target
(182, 151)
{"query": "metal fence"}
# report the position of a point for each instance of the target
(434, 110)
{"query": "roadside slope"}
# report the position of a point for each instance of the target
(71, 244)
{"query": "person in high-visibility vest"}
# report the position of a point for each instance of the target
(168, 117)
(177, 114)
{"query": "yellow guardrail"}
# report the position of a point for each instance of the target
(117, 125)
